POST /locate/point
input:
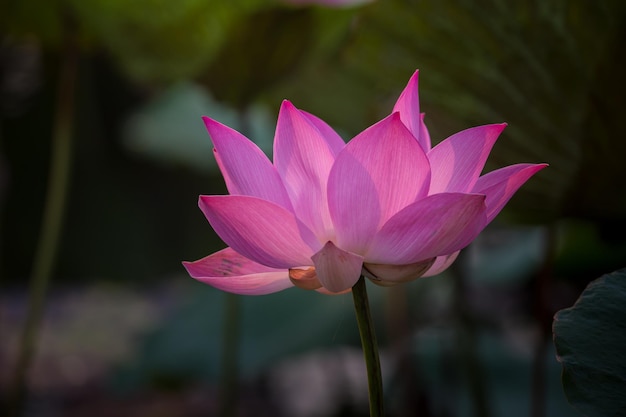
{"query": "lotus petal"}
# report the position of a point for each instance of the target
(500, 185)
(335, 142)
(229, 271)
(386, 275)
(246, 169)
(441, 264)
(260, 230)
(337, 269)
(303, 158)
(379, 172)
(424, 134)
(408, 106)
(457, 162)
(305, 278)
(437, 225)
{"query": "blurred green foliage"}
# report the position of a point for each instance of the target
(152, 40)
(168, 129)
(159, 40)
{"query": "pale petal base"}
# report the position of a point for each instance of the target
(388, 275)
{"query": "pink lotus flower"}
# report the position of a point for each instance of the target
(384, 205)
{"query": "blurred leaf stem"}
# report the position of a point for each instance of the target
(543, 315)
(468, 340)
(370, 348)
(229, 368)
(53, 213)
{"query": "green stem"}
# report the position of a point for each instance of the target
(54, 208)
(370, 347)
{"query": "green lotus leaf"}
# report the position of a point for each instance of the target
(590, 339)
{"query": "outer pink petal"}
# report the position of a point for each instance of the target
(500, 185)
(378, 173)
(457, 162)
(246, 169)
(228, 271)
(260, 230)
(437, 225)
(337, 269)
(441, 264)
(335, 142)
(408, 105)
(303, 158)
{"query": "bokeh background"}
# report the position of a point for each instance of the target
(120, 87)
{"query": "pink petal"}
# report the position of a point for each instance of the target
(386, 275)
(335, 142)
(260, 230)
(500, 185)
(441, 264)
(437, 225)
(228, 271)
(337, 269)
(246, 169)
(424, 134)
(408, 105)
(303, 158)
(379, 172)
(457, 162)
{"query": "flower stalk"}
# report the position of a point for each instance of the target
(370, 347)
